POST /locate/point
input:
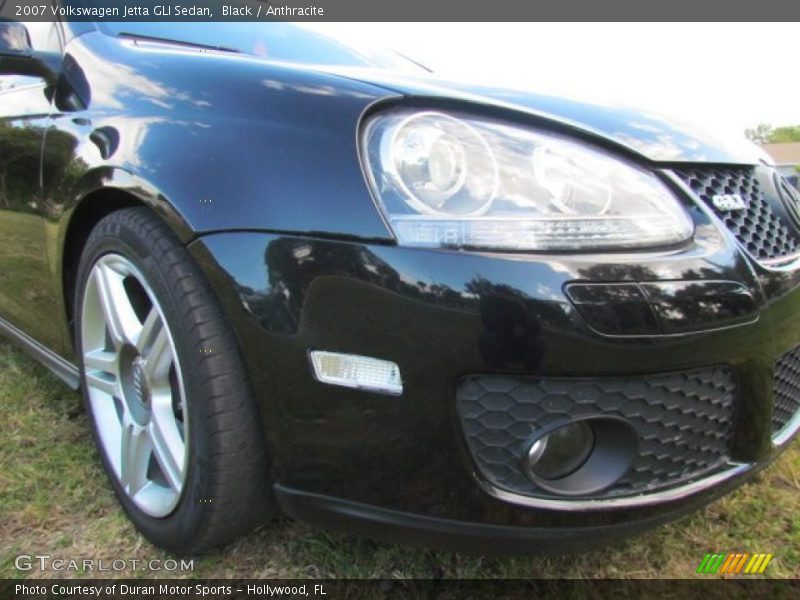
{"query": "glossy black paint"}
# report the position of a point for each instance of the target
(261, 148)
(639, 132)
(28, 297)
(477, 537)
(662, 308)
(255, 167)
(440, 316)
(125, 116)
(274, 146)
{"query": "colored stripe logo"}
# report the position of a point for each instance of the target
(734, 564)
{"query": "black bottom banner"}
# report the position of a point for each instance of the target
(178, 589)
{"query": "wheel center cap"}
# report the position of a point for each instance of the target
(140, 385)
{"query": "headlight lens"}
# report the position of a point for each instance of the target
(461, 181)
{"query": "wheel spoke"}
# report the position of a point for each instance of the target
(120, 318)
(158, 360)
(102, 361)
(103, 383)
(135, 458)
(148, 334)
(168, 447)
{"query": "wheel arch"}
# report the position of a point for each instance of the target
(117, 190)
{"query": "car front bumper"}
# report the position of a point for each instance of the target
(402, 467)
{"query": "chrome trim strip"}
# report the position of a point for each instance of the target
(782, 263)
(671, 495)
(788, 432)
(61, 368)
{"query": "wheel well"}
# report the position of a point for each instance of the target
(89, 212)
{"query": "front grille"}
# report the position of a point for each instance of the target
(757, 227)
(684, 422)
(786, 395)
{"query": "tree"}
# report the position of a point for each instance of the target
(759, 135)
(785, 135)
(766, 134)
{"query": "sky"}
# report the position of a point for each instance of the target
(724, 76)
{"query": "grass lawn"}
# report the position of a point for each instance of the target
(22, 246)
(54, 499)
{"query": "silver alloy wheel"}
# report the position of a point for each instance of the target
(134, 385)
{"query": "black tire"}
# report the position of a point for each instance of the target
(226, 490)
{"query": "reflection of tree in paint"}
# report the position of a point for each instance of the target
(512, 321)
(19, 164)
(512, 325)
(62, 170)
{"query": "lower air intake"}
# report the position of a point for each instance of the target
(683, 421)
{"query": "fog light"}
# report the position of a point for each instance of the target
(561, 452)
(353, 371)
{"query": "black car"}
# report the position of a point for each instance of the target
(289, 274)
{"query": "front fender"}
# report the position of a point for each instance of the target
(214, 142)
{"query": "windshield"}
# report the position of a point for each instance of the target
(274, 41)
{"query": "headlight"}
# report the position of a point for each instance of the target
(462, 181)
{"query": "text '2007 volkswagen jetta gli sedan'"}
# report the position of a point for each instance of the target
(287, 274)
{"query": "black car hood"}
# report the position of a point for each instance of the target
(652, 136)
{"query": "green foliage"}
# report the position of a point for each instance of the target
(760, 134)
(785, 135)
(766, 134)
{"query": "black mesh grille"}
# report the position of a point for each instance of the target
(684, 422)
(757, 227)
(786, 398)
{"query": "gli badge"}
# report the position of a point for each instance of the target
(728, 202)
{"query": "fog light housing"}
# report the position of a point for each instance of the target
(354, 371)
(561, 452)
(581, 457)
